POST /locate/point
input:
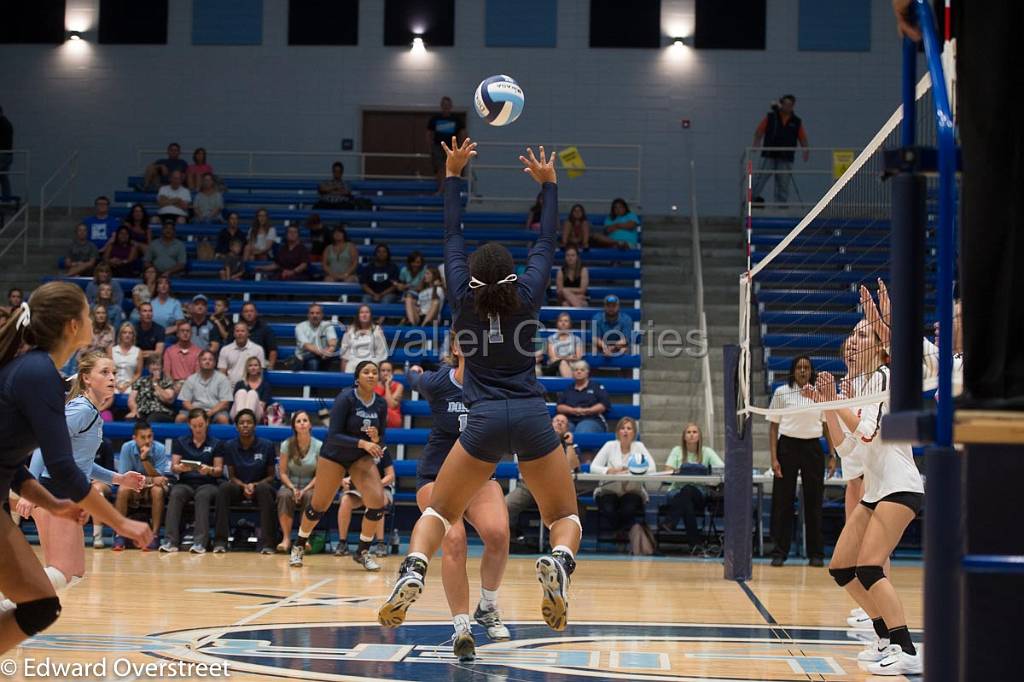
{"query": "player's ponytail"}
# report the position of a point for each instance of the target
(40, 323)
(493, 268)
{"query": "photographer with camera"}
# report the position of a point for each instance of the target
(782, 131)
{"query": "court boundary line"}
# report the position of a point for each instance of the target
(777, 629)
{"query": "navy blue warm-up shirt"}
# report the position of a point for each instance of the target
(448, 413)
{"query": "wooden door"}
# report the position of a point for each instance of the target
(396, 132)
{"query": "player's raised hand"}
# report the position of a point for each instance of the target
(540, 169)
(458, 156)
(874, 318)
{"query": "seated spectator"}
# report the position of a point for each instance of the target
(686, 501)
(234, 265)
(181, 359)
(576, 228)
(226, 234)
(334, 194)
(319, 237)
(149, 336)
(297, 470)
(103, 275)
(411, 274)
(159, 172)
(316, 341)
(166, 309)
(15, 297)
(152, 396)
(253, 392)
(380, 277)
(206, 389)
(174, 199)
(197, 169)
(122, 253)
(167, 254)
(363, 340)
(352, 499)
(392, 391)
(251, 462)
(262, 238)
(233, 356)
(127, 358)
(102, 332)
(533, 215)
(221, 319)
(423, 304)
(291, 261)
(148, 457)
(612, 329)
(105, 297)
(572, 280)
(620, 228)
(195, 482)
(204, 332)
(101, 224)
(82, 254)
(620, 502)
(585, 402)
(149, 277)
(564, 348)
(138, 223)
(260, 332)
(341, 258)
(208, 202)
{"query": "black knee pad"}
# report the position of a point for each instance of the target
(374, 514)
(35, 616)
(312, 514)
(869, 575)
(843, 576)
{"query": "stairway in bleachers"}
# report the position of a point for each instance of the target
(42, 260)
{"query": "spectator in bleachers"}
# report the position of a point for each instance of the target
(334, 194)
(291, 259)
(148, 457)
(412, 272)
(262, 238)
(149, 336)
(234, 265)
(260, 332)
(167, 254)
(319, 237)
(316, 341)
(380, 277)
(612, 329)
(620, 502)
(105, 297)
(181, 359)
(585, 402)
(572, 280)
(207, 389)
(363, 340)
(564, 348)
(297, 470)
(686, 501)
(122, 253)
(101, 224)
(620, 227)
(102, 332)
(152, 396)
(253, 392)
(140, 295)
(159, 172)
(341, 258)
(127, 358)
(194, 482)
(423, 304)
(221, 319)
(233, 356)
(251, 461)
(208, 203)
(779, 128)
(533, 215)
(230, 231)
(138, 223)
(149, 277)
(576, 228)
(392, 391)
(352, 499)
(204, 333)
(82, 254)
(197, 169)
(103, 275)
(15, 296)
(166, 309)
(441, 128)
(174, 199)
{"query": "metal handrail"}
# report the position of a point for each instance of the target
(27, 164)
(22, 214)
(707, 429)
(72, 163)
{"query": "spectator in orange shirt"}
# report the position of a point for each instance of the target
(779, 128)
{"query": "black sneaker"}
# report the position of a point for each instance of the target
(406, 591)
(553, 572)
(778, 560)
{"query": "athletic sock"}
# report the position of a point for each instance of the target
(565, 556)
(418, 555)
(364, 544)
(563, 549)
(901, 636)
(488, 599)
(301, 539)
(461, 622)
(880, 629)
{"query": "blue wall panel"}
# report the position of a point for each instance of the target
(835, 26)
(522, 23)
(227, 22)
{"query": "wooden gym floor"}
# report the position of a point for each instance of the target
(638, 619)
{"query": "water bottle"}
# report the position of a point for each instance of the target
(394, 542)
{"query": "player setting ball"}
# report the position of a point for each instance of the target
(499, 100)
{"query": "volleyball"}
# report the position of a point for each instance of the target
(499, 100)
(637, 464)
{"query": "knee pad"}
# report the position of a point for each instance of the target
(572, 517)
(312, 514)
(374, 514)
(843, 576)
(35, 616)
(869, 575)
(429, 511)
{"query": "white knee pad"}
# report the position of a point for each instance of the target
(572, 517)
(429, 511)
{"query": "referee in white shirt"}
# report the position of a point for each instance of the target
(796, 451)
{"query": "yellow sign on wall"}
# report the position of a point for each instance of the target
(841, 160)
(572, 162)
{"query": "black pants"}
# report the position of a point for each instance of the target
(685, 505)
(619, 512)
(266, 499)
(803, 457)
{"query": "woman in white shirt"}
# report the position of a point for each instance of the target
(363, 340)
(262, 238)
(127, 358)
(620, 502)
(795, 444)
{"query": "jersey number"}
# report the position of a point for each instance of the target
(463, 418)
(366, 425)
(494, 334)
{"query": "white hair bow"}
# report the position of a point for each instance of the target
(474, 283)
(26, 316)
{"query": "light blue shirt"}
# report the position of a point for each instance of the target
(628, 236)
(623, 325)
(166, 313)
(130, 460)
(85, 427)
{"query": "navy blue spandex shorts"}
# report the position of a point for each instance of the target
(498, 428)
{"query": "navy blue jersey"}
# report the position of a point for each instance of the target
(449, 414)
(204, 453)
(350, 420)
(250, 463)
(31, 416)
(499, 352)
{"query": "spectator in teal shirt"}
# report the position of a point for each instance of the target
(620, 227)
